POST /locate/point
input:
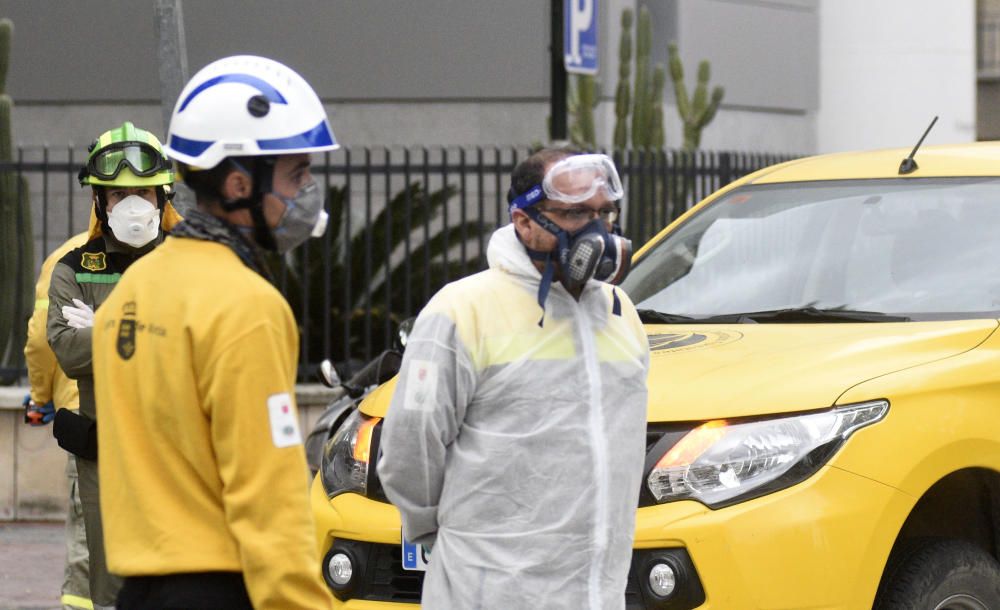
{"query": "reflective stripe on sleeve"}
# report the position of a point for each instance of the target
(76, 601)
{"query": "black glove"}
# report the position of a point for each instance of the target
(76, 433)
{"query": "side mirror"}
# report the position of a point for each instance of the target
(376, 372)
(403, 333)
(328, 375)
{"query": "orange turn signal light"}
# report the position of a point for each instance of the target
(694, 444)
(363, 446)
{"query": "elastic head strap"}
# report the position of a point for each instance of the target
(261, 183)
(549, 271)
(525, 200)
(546, 283)
(561, 234)
(101, 210)
(542, 220)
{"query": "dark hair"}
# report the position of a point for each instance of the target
(530, 172)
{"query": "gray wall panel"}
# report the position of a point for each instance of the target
(386, 49)
(82, 50)
(407, 72)
(348, 50)
(765, 53)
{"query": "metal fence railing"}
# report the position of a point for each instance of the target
(403, 223)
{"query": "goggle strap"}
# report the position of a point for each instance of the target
(527, 199)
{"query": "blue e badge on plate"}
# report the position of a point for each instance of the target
(415, 556)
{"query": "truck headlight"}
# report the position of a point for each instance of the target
(346, 457)
(721, 462)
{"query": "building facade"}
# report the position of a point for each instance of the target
(800, 76)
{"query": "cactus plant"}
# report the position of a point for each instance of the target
(622, 97)
(642, 87)
(581, 104)
(657, 138)
(696, 112)
(16, 270)
(647, 99)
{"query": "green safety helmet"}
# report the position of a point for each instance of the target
(127, 156)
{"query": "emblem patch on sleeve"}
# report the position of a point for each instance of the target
(421, 386)
(126, 331)
(284, 422)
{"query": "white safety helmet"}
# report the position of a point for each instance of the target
(246, 106)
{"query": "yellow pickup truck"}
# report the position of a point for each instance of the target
(824, 400)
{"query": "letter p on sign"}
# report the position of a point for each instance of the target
(580, 36)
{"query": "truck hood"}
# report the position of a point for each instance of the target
(719, 371)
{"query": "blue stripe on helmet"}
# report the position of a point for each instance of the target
(530, 198)
(320, 135)
(272, 94)
(191, 148)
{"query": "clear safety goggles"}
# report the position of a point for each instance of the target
(140, 158)
(580, 177)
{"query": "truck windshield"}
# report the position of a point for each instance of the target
(910, 249)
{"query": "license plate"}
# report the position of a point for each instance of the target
(415, 556)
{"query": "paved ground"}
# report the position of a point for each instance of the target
(31, 565)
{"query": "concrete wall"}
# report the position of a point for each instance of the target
(888, 67)
(387, 50)
(394, 72)
(32, 477)
(763, 52)
(391, 72)
(800, 75)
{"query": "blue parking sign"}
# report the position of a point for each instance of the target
(580, 36)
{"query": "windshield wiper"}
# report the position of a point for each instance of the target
(813, 314)
(793, 315)
(651, 316)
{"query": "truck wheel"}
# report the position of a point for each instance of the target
(941, 575)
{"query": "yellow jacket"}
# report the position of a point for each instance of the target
(48, 381)
(200, 456)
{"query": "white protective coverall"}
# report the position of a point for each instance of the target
(517, 450)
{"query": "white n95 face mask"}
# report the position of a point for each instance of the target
(304, 217)
(134, 221)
